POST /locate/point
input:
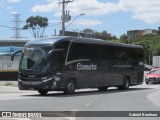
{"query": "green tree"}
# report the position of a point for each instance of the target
(124, 38)
(88, 31)
(151, 45)
(104, 32)
(36, 25)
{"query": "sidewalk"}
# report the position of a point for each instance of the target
(5, 82)
(9, 87)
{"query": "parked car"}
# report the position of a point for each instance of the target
(147, 67)
(155, 68)
(153, 76)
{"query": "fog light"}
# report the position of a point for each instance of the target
(19, 80)
(57, 78)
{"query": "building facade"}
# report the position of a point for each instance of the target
(138, 33)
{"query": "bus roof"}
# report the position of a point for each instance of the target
(52, 40)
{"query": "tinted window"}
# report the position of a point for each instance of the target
(91, 51)
(122, 53)
(77, 52)
(108, 52)
(63, 45)
(137, 54)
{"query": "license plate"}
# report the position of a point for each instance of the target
(31, 88)
(152, 79)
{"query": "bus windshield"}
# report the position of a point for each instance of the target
(34, 60)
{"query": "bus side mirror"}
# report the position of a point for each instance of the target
(16, 52)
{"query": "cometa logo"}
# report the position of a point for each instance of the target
(86, 67)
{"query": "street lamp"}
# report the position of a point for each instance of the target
(74, 20)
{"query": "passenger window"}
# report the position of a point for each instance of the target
(59, 61)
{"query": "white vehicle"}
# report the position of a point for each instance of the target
(156, 61)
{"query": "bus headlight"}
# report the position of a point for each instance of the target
(46, 80)
(57, 78)
(19, 80)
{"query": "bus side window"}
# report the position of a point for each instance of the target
(122, 53)
(59, 60)
(108, 52)
(64, 46)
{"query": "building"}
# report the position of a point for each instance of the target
(138, 33)
(149, 31)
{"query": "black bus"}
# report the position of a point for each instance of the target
(69, 63)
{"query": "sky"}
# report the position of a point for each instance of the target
(114, 16)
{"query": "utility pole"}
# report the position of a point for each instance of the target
(16, 29)
(65, 15)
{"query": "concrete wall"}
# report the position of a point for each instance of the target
(8, 68)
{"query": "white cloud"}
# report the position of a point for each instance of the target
(91, 7)
(146, 10)
(14, 1)
(87, 22)
(9, 8)
(52, 6)
(77, 7)
(13, 12)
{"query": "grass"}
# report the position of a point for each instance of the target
(8, 84)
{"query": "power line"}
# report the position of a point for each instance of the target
(55, 24)
(6, 26)
(65, 14)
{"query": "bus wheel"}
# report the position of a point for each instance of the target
(70, 88)
(125, 85)
(102, 88)
(43, 92)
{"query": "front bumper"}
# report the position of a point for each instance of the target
(44, 83)
(153, 80)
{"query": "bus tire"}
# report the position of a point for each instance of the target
(70, 87)
(126, 83)
(102, 88)
(43, 92)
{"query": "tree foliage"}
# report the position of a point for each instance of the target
(88, 31)
(151, 45)
(36, 25)
(124, 38)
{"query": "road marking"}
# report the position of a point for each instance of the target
(96, 98)
(154, 98)
(91, 101)
(70, 118)
(88, 104)
(14, 96)
(14, 119)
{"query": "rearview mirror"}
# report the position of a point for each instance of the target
(16, 52)
(50, 53)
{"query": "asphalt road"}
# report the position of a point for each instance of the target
(137, 98)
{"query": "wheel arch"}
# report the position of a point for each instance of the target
(129, 78)
(74, 80)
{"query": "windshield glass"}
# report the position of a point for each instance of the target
(154, 72)
(34, 60)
